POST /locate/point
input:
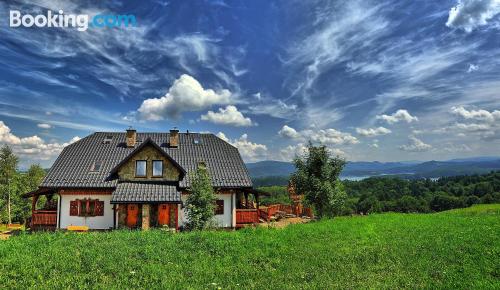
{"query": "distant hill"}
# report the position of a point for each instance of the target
(278, 170)
(270, 168)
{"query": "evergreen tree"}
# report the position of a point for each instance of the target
(201, 201)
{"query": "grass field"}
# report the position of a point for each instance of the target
(454, 249)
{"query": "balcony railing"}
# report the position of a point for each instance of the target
(44, 218)
(247, 216)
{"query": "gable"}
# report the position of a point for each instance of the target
(148, 153)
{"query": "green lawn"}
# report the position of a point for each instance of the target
(455, 249)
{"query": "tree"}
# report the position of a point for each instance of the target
(200, 202)
(29, 182)
(443, 201)
(317, 177)
(409, 204)
(8, 170)
(369, 204)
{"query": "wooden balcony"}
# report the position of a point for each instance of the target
(44, 219)
(246, 217)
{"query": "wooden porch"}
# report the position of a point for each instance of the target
(44, 218)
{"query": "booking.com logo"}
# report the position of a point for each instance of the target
(78, 21)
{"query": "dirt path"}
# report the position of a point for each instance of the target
(285, 222)
(4, 236)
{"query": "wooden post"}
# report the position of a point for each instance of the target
(145, 216)
(246, 199)
(258, 206)
(177, 217)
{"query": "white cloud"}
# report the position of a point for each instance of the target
(250, 151)
(399, 116)
(415, 145)
(470, 14)
(291, 151)
(322, 136)
(472, 68)
(288, 132)
(32, 147)
(372, 132)
(452, 148)
(373, 145)
(228, 116)
(274, 108)
(482, 123)
(44, 126)
(185, 94)
(479, 115)
(330, 137)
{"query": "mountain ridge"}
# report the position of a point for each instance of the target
(428, 169)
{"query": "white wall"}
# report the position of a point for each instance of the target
(227, 220)
(97, 222)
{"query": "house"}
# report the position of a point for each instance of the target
(141, 180)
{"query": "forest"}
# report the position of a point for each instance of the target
(389, 194)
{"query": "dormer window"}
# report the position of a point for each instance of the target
(107, 140)
(140, 168)
(96, 166)
(157, 168)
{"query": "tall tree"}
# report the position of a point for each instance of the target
(317, 177)
(200, 202)
(34, 177)
(8, 170)
(28, 182)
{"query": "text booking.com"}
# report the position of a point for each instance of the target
(79, 21)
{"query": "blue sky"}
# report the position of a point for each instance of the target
(372, 80)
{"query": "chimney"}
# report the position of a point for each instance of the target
(174, 138)
(131, 137)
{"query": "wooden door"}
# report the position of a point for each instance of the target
(163, 214)
(132, 215)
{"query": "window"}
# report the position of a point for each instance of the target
(96, 166)
(86, 207)
(196, 139)
(157, 168)
(219, 207)
(140, 168)
(107, 140)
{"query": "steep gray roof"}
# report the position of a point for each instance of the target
(73, 166)
(145, 192)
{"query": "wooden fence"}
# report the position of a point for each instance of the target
(267, 212)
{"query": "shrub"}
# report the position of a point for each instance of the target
(443, 201)
(369, 205)
(472, 199)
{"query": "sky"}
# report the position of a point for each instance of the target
(371, 80)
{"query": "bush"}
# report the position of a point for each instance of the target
(407, 204)
(369, 205)
(443, 201)
(349, 207)
(472, 199)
